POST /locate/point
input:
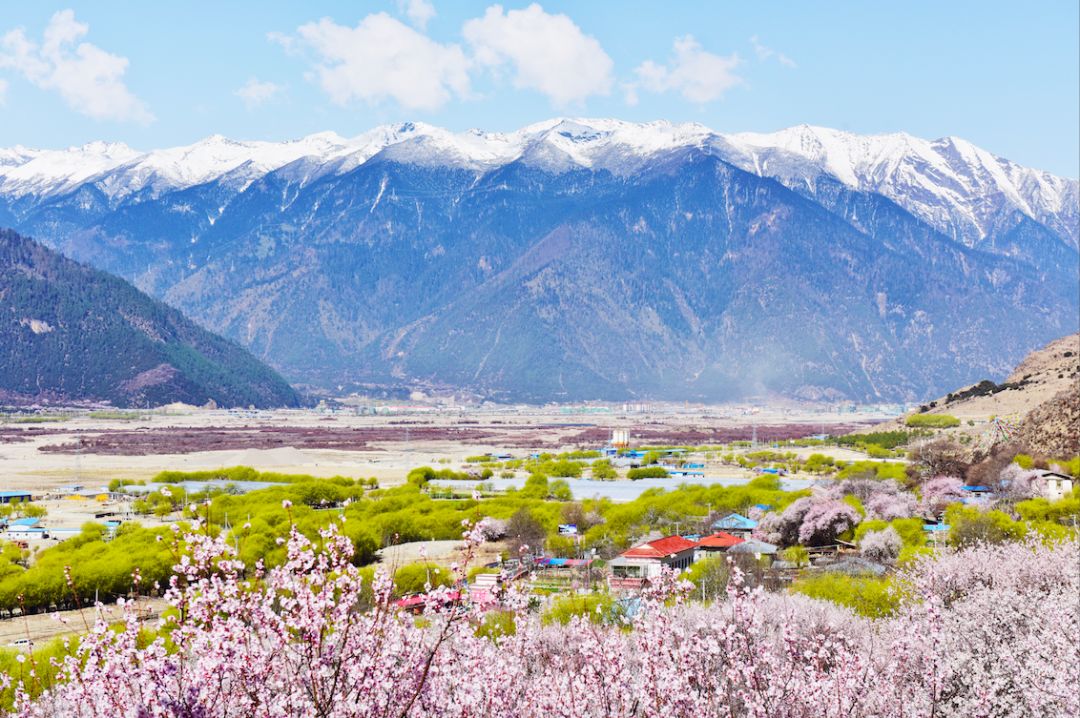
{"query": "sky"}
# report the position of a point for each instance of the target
(1004, 75)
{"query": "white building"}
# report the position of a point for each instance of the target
(1058, 486)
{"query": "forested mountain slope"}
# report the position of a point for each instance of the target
(70, 333)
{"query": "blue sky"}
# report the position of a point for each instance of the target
(1002, 75)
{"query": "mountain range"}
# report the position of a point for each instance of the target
(73, 334)
(583, 259)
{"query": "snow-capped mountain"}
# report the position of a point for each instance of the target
(959, 189)
(45, 173)
(583, 258)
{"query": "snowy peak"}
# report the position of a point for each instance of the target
(212, 158)
(957, 187)
(40, 172)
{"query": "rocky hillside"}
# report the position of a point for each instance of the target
(1053, 428)
(1039, 401)
(72, 334)
(584, 259)
(1043, 374)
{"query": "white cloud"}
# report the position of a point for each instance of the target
(382, 58)
(255, 92)
(287, 42)
(3, 91)
(419, 12)
(90, 80)
(549, 53)
(698, 75)
(764, 53)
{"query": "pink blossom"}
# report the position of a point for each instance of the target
(987, 631)
(883, 546)
(939, 492)
(825, 520)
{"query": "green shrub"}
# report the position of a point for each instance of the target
(969, 526)
(1063, 510)
(710, 577)
(1072, 467)
(496, 624)
(597, 607)
(797, 555)
(36, 676)
(647, 472)
(932, 421)
(867, 596)
(411, 578)
(873, 469)
(884, 439)
(603, 470)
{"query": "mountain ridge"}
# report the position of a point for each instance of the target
(72, 334)
(797, 156)
(658, 262)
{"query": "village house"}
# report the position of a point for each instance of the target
(24, 529)
(758, 549)
(715, 545)
(646, 561)
(736, 525)
(1058, 485)
(8, 497)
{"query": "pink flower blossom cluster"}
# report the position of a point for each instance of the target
(812, 520)
(883, 546)
(939, 492)
(988, 631)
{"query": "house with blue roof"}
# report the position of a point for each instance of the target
(7, 497)
(736, 525)
(23, 533)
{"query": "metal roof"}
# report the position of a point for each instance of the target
(735, 521)
(660, 548)
(753, 546)
(720, 540)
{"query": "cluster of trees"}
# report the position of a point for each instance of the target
(300, 642)
(17, 508)
(821, 464)
(255, 523)
(568, 464)
(84, 568)
(647, 472)
(932, 421)
(878, 507)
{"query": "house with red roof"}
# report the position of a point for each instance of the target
(715, 544)
(645, 561)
